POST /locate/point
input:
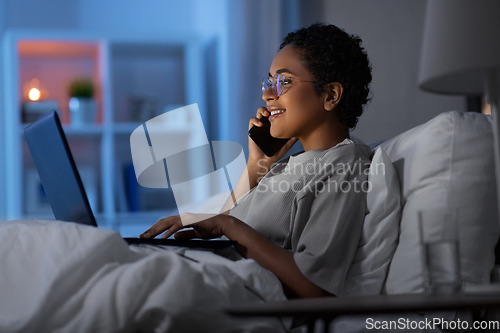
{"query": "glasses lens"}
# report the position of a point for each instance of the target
(265, 84)
(279, 84)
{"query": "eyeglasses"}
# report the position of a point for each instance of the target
(280, 83)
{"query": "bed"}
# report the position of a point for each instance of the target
(63, 277)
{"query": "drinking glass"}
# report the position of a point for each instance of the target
(439, 239)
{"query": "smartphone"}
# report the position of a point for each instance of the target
(262, 137)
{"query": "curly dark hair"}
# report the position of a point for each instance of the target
(332, 55)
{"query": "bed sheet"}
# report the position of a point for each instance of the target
(64, 277)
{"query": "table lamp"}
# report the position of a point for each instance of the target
(461, 55)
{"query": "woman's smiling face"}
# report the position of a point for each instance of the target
(303, 110)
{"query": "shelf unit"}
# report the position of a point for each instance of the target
(128, 72)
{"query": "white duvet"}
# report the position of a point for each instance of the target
(65, 277)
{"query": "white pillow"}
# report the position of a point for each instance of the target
(380, 233)
(446, 162)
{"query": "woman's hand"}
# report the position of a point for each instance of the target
(204, 226)
(258, 164)
(249, 243)
(256, 158)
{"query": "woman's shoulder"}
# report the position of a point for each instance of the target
(348, 151)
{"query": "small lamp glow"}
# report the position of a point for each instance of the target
(34, 94)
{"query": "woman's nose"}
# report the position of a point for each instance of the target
(269, 95)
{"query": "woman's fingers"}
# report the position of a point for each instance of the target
(204, 226)
(172, 224)
(173, 229)
(255, 121)
(262, 112)
(186, 234)
(161, 226)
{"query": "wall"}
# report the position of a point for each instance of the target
(40, 14)
(211, 22)
(241, 38)
(158, 18)
(391, 31)
(149, 17)
(2, 158)
(254, 32)
(254, 40)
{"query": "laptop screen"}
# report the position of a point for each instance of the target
(57, 170)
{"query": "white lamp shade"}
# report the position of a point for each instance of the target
(461, 43)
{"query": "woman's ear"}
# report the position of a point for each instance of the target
(333, 95)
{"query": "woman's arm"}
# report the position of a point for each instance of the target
(253, 245)
(248, 180)
(258, 164)
(250, 244)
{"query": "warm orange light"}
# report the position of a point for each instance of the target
(34, 94)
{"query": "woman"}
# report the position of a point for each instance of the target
(302, 218)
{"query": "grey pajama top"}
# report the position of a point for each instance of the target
(313, 204)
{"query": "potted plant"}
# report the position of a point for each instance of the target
(82, 105)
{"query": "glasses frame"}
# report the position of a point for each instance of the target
(272, 82)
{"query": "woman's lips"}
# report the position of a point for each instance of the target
(275, 114)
